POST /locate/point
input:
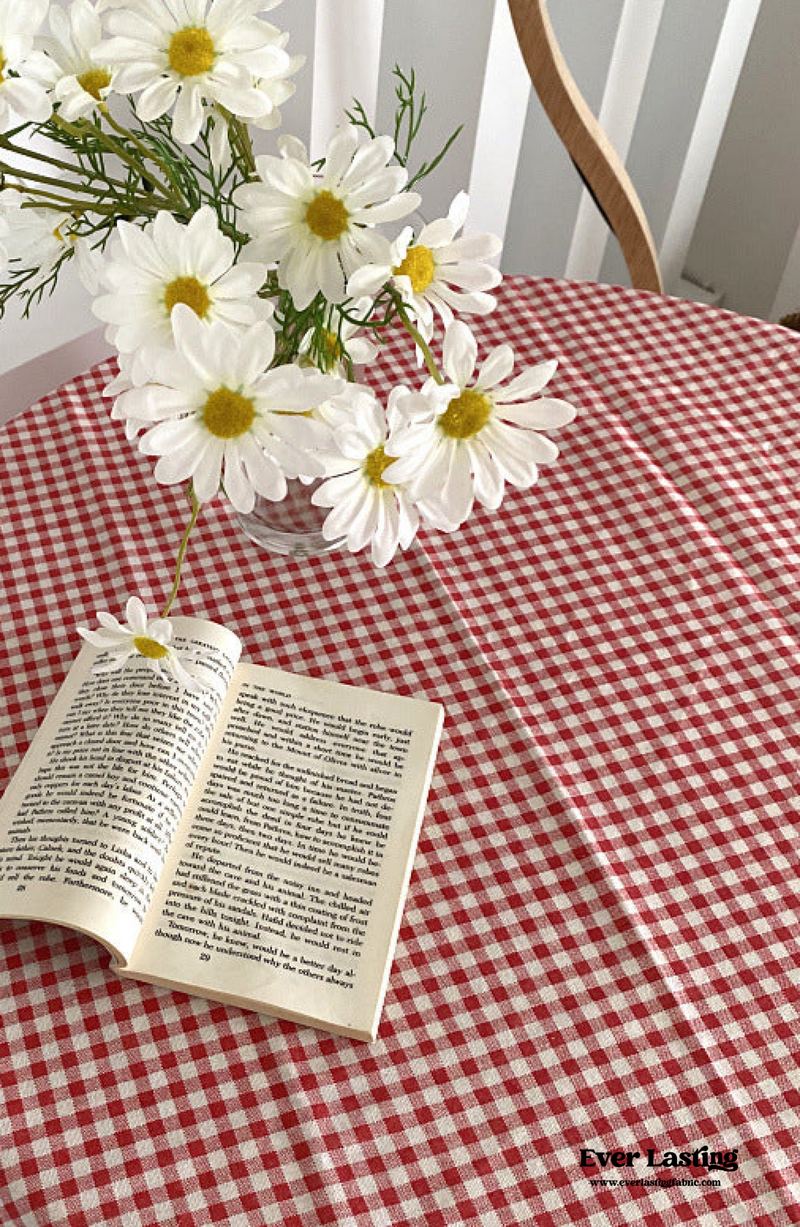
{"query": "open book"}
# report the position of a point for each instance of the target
(253, 845)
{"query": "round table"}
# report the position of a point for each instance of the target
(598, 962)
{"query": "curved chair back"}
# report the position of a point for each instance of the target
(585, 141)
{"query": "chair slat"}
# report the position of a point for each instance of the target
(347, 56)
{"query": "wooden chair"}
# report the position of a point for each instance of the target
(587, 144)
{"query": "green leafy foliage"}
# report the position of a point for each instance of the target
(409, 113)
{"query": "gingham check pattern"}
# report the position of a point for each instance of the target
(600, 945)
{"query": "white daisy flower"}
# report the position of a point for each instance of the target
(179, 54)
(437, 271)
(367, 509)
(150, 639)
(149, 270)
(64, 63)
(124, 381)
(21, 98)
(320, 228)
(224, 417)
(333, 349)
(276, 90)
(462, 440)
(35, 237)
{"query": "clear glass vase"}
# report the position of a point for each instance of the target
(293, 526)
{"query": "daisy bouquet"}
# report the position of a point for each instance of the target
(244, 285)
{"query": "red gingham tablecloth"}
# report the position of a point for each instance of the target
(600, 946)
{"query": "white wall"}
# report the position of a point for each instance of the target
(57, 319)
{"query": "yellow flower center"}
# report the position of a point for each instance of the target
(465, 415)
(375, 464)
(326, 216)
(228, 414)
(150, 648)
(191, 51)
(2, 66)
(419, 267)
(190, 291)
(94, 80)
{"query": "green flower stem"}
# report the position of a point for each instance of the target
(424, 348)
(51, 200)
(72, 168)
(75, 204)
(114, 146)
(65, 126)
(40, 156)
(7, 169)
(35, 177)
(245, 144)
(182, 551)
(150, 154)
(57, 163)
(162, 199)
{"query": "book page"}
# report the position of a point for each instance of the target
(86, 822)
(285, 886)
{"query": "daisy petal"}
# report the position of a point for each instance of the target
(136, 614)
(497, 367)
(459, 353)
